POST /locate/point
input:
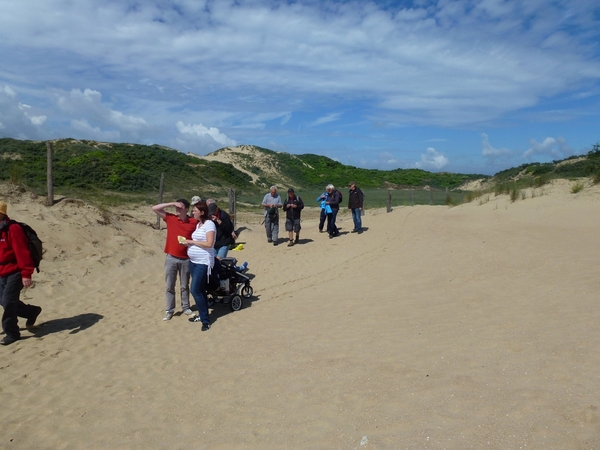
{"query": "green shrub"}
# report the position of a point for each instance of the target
(541, 180)
(539, 169)
(514, 193)
(577, 187)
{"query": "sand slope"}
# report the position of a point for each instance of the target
(468, 327)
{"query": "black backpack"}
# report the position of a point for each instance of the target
(273, 213)
(35, 244)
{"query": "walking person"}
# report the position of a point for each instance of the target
(356, 200)
(202, 259)
(333, 201)
(271, 203)
(293, 206)
(16, 269)
(177, 262)
(325, 209)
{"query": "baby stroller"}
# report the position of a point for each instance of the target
(228, 285)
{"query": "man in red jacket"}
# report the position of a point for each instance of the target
(177, 261)
(16, 268)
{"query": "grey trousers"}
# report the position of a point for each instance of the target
(173, 267)
(272, 228)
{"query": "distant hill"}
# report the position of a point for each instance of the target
(88, 168)
(571, 167)
(122, 171)
(284, 169)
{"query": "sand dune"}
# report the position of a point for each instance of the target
(468, 327)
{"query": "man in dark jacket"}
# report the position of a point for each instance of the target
(16, 268)
(224, 226)
(292, 206)
(355, 205)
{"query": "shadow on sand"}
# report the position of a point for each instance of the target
(75, 324)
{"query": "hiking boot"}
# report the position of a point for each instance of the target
(269, 240)
(195, 319)
(188, 312)
(9, 340)
(168, 315)
(205, 326)
(31, 321)
(296, 240)
(291, 244)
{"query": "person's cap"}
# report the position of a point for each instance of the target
(3, 208)
(290, 190)
(185, 202)
(195, 199)
(352, 183)
(212, 209)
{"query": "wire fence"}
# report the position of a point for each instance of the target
(376, 198)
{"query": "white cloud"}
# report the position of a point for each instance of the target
(258, 121)
(200, 130)
(381, 160)
(326, 119)
(18, 120)
(87, 106)
(86, 131)
(285, 119)
(432, 160)
(197, 138)
(555, 148)
(244, 68)
(36, 120)
(451, 63)
(490, 151)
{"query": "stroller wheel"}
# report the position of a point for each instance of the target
(236, 303)
(247, 291)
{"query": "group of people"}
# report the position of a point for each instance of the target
(191, 246)
(329, 201)
(293, 206)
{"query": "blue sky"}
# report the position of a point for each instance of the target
(473, 86)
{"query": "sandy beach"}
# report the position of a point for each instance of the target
(469, 327)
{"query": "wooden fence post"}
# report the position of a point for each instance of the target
(430, 196)
(389, 201)
(411, 197)
(232, 201)
(160, 196)
(49, 181)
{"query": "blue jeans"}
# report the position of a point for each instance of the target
(357, 219)
(199, 274)
(222, 251)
